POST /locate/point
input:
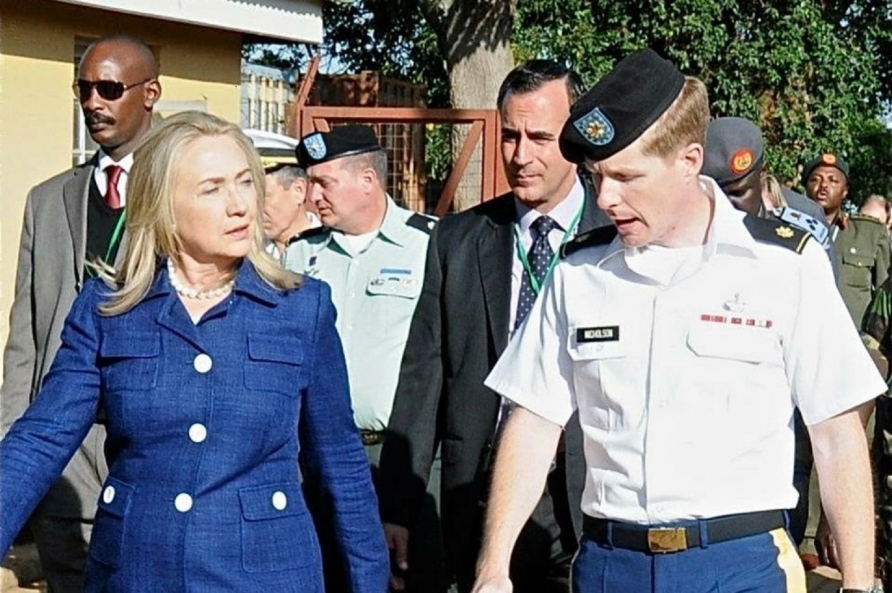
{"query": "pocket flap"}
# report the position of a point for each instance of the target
(284, 349)
(734, 342)
(858, 260)
(114, 498)
(407, 287)
(271, 501)
(130, 344)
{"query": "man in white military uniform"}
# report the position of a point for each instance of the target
(685, 338)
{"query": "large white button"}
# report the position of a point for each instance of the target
(183, 502)
(280, 501)
(202, 363)
(108, 495)
(198, 432)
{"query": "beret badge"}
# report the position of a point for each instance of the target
(742, 161)
(315, 146)
(595, 127)
(828, 158)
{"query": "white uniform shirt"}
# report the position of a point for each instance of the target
(686, 382)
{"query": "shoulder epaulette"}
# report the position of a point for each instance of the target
(776, 232)
(421, 222)
(858, 217)
(313, 232)
(599, 236)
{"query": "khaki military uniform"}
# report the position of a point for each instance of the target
(863, 247)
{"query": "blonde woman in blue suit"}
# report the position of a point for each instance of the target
(214, 370)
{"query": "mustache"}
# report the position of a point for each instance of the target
(94, 117)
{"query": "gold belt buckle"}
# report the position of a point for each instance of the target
(664, 540)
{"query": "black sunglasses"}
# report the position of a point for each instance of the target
(110, 90)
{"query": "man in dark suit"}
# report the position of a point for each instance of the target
(484, 269)
(70, 219)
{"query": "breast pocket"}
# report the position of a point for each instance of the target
(598, 374)
(277, 531)
(857, 270)
(129, 360)
(274, 364)
(107, 541)
(392, 299)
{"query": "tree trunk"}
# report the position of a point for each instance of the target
(475, 37)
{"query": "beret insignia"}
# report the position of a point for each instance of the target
(315, 146)
(595, 127)
(784, 232)
(742, 160)
(828, 158)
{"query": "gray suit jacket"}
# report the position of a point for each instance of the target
(49, 277)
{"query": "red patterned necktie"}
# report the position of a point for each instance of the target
(112, 196)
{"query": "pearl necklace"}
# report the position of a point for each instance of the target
(194, 293)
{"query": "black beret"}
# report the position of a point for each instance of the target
(828, 159)
(349, 140)
(620, 107)
(733, 149)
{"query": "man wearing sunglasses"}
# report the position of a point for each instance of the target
(72, 219)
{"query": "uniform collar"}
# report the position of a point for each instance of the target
(247, 282)
(393, 228)
(726, 230)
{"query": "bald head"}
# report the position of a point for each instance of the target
(877, 207)
(118, 120)
(129, 48)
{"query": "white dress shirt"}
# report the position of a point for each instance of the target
(101, 177)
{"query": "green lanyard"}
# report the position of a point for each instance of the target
(524, 260)
(116, 236)
(115, 239)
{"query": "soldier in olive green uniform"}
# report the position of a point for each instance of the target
(863, 246)
(879, 342)
(861, 241)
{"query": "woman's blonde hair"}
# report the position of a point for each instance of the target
(771, 187)
(683, 123)
(151, 227)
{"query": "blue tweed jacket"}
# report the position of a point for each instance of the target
(205, 425)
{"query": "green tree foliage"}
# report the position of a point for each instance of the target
(814, 76)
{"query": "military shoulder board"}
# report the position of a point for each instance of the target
(776, 232)
(807, 223)
(421, 222)
(309, 233)
(599, 236)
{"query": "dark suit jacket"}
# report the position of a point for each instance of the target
(50, 275)
(459, 330)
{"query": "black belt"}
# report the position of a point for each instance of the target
(676, 538)
(371, 437)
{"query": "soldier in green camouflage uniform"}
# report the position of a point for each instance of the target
(878, 338)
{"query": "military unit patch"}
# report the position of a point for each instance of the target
(315, 146)
(742, 160)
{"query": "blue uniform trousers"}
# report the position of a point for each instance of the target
(763, 563)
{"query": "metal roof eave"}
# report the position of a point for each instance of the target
(286, 20)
